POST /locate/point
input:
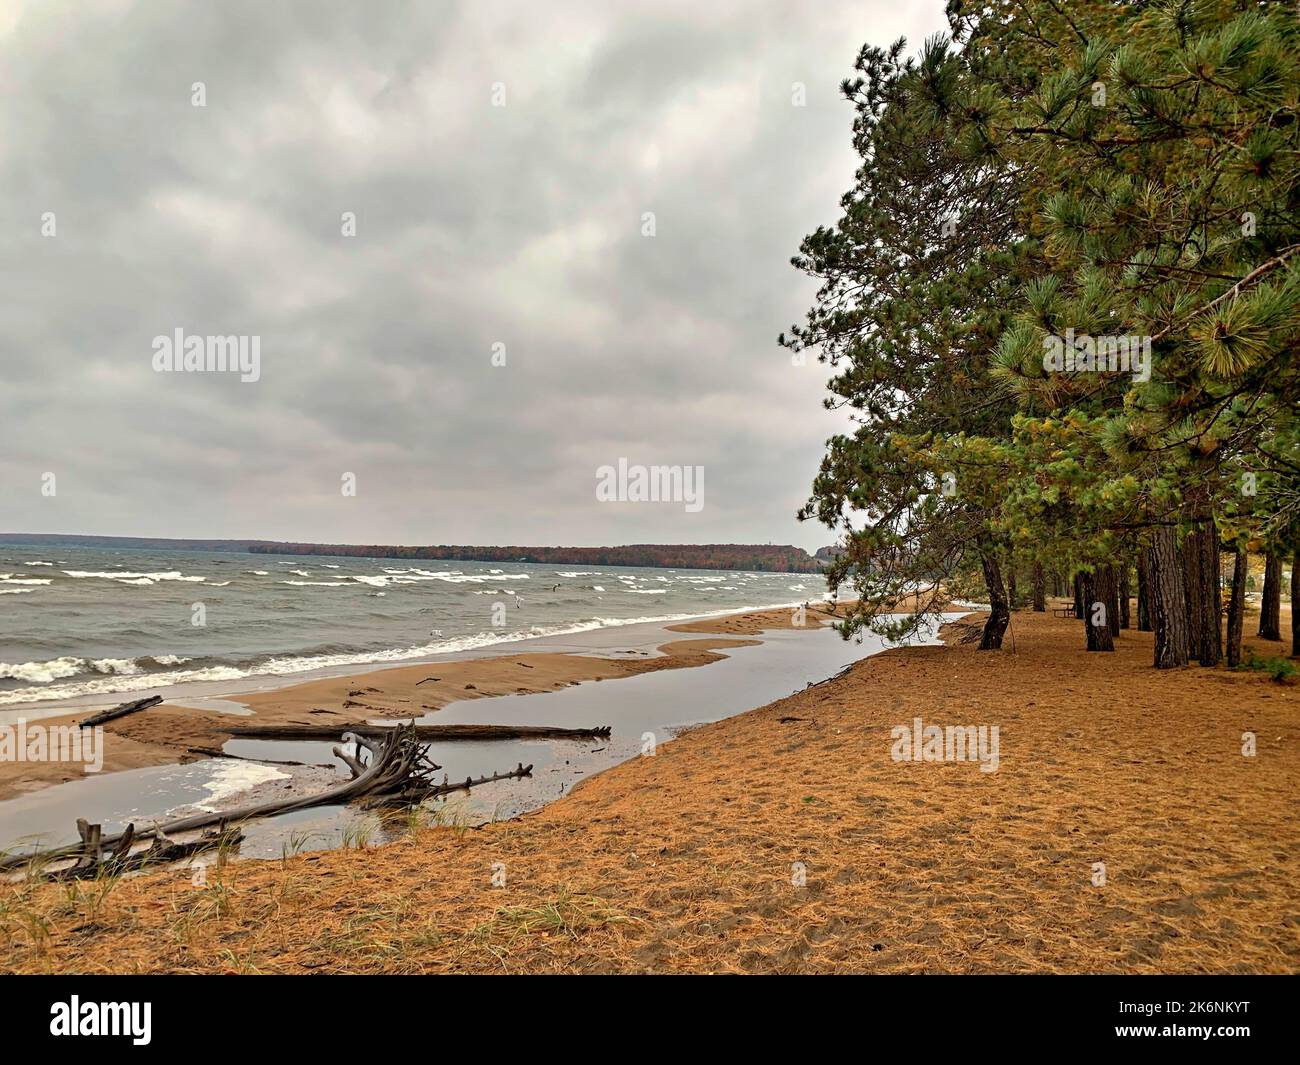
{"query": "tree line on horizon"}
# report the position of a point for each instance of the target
(1062, 304)
(776, 558)
(782, 558)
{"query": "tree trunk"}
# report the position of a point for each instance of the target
(1211, 643)
(1098, 603)
(1144, 593)
(1168, 606)
(1237, 607)
(1013, 597)
(1270, 607)
(1189, 554)
(1201, 588)
(1110, 581)
(999, 612)
(1040, 589)
(1124, 595)
(1295, 604)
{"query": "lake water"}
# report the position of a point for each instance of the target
(96, 624)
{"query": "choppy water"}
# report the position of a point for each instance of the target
(90, 621)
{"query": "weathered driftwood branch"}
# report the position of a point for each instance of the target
(217, 752)
(120, 711)
(397, 772)
(92, 862)
(445, 787)
(424, 732)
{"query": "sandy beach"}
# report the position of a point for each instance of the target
(165, 734)
(787, 839)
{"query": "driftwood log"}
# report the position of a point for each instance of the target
(120, 711)
(427, 733)
(397, 771)
(93, 862)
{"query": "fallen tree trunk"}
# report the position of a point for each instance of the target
(424, 732)
(217, 752)
(398, 772)
(119, 711)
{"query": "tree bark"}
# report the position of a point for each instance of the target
(1168, 605)
(1237, 607)
(1040, 589)
(1110, 581)
(1270, 607)
(1013, 597)
(1124, 590)
(1189, 555)
(1098, 605)
(1144, 593)
(1211, 644)
(1295, 604)
(999, 611)
(1200, 553)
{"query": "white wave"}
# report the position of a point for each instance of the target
(40, 563)
(571, 573)
(57, 668)
(124, 667)
(41, 672)
(257, 572)
(16, 591)
(648, 591)
(26, 580)
(301, 572)
(113, 685)
(122, 577)
(289, 666)
(597, 588)
(454, 576)
(315, 584)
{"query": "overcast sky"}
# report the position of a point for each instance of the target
(476, 225)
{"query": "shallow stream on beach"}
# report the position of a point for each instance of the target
(643, 710)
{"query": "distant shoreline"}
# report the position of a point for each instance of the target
(760, 558)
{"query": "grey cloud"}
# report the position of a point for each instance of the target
(476, 225)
